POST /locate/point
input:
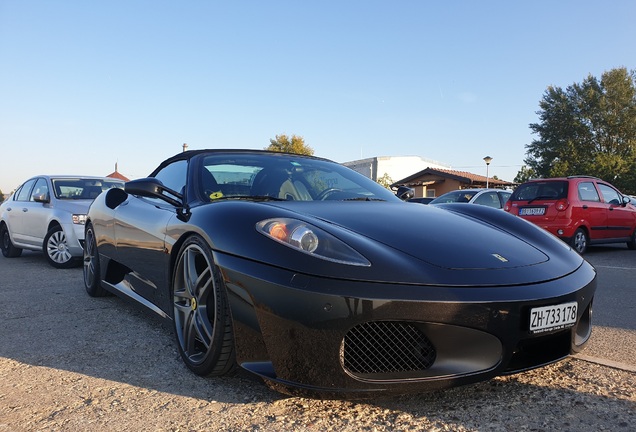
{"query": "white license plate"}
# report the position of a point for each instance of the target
(556, 317)
(532, 211)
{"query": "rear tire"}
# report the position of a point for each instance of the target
(92, 275)
(579, 241)
(202, 320)
(8, 248)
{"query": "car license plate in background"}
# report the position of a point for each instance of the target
(532, 211)
(548, 318)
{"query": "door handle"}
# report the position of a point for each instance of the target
(25, 209)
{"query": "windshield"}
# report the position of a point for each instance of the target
(284, 177)
(82, 188)
(458, 196)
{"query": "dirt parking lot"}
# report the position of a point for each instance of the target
(69, 362)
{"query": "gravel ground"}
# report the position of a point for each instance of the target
(571, 396)
(72, 363)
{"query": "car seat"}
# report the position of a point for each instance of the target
(278, 183)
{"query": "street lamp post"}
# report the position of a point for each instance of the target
(487, 159)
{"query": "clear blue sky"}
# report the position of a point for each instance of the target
(86, 84)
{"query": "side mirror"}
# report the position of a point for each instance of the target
(405, 193)
(153, 188)
(627, 200)
(42, 198)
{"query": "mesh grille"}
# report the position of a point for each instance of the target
(382, 347)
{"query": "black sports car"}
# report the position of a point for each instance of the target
(326, 284)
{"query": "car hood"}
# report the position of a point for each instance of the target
(457, 245)
(74, 206)
(433, 235)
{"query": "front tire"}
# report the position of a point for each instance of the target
(8, 248)
(202, 321)
(579, 241)
(92, 278)
(56, 250)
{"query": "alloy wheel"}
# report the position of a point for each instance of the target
(90, 258)
(580, 241)
(194, 298)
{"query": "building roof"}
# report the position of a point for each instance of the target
(117, 175)
(431, 175)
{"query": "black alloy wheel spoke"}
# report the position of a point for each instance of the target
(190, 273)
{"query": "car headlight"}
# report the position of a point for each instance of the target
(311, 240)
(79, 219)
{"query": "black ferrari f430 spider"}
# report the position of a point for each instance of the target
(324, 283)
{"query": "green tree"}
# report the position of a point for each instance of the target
(295, 144)
(588, 128)
(1, 196)
(385, 181)
(524, 175)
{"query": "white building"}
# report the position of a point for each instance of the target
(395, 167)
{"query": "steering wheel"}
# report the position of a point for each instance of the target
(326, 193)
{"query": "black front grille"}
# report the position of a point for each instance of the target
(387, 347)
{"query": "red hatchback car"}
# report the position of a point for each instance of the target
(581, 210)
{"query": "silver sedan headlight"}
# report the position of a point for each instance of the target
(79, 219)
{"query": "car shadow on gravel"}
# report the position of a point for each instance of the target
(49, 321)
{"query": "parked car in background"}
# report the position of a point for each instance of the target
(322, 282)
(495, 198)
(48, 213)
(581, 210)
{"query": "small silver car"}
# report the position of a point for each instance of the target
(48, 213)
(489, 197)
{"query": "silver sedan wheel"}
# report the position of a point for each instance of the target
(56, 248)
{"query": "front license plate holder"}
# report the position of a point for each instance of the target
(553, 317)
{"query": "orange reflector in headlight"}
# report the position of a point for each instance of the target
(279, 231)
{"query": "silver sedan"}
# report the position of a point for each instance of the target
(48, 213)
